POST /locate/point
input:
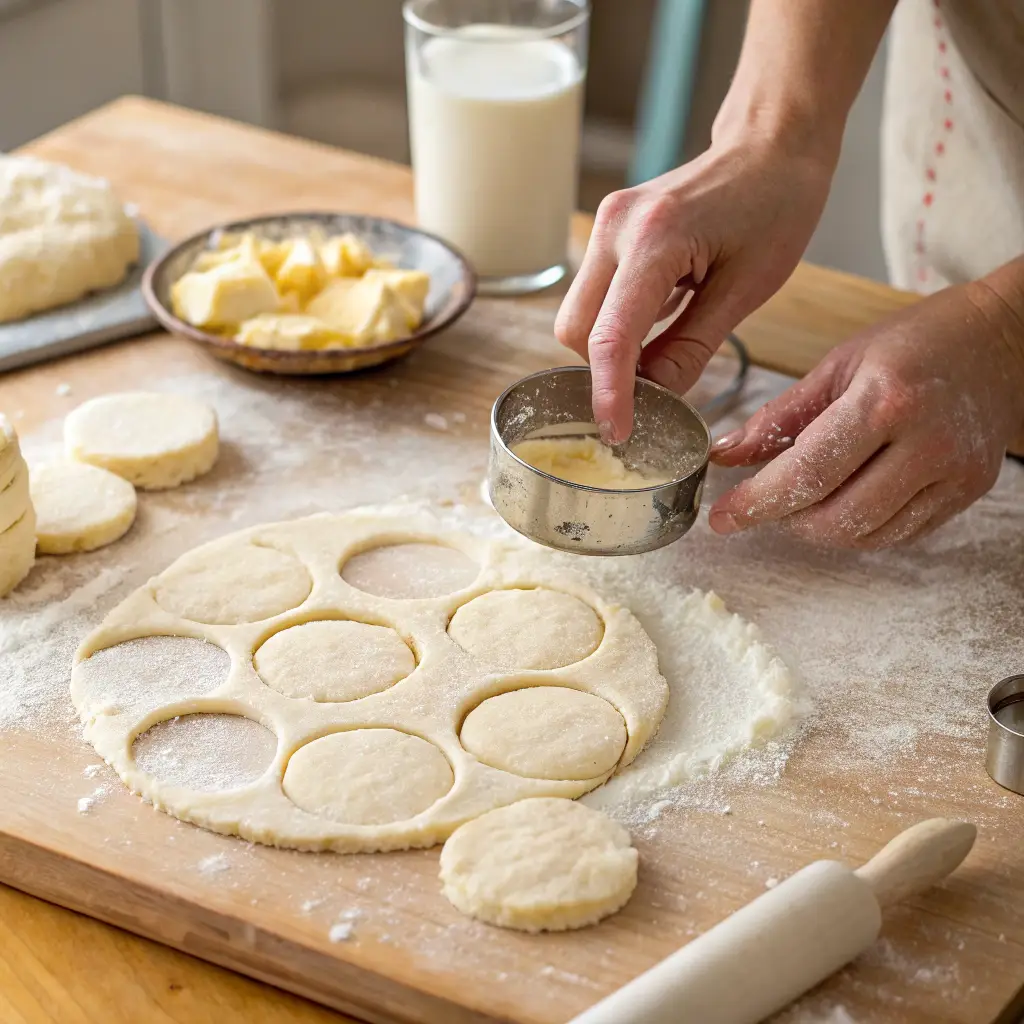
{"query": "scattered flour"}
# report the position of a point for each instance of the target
(215, 864)
(435, 421)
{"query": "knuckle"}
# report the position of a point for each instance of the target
(657, 215)
(892, 401)
(614, 207)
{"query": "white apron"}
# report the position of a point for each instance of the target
(953, 141)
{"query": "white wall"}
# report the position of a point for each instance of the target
(59, 60)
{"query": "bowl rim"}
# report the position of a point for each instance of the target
(174, 324)
(506, 449)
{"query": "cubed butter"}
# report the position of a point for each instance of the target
(411, 286)
(302, 271)
(346, 256)
(225, 294)
(292, 332)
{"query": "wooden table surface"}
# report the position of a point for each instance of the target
(186, 171)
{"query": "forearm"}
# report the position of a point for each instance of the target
(802, 64)
(1001, 296)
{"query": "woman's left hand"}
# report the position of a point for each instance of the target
(892, 434)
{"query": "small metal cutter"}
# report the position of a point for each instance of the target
(669, 435)
(1005, 759)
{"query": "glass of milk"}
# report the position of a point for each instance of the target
(495, 109)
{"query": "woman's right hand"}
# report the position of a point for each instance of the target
(731, 226)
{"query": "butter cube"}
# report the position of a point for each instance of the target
(346, 256)
(363, 307)
(224, 295)
(302, 271)
(292, 332)
(272, 254)
(411, 286)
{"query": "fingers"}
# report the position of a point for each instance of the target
(925, 512)
(637, 291)
(677, 357)
(777, 424)
(585, 296)
(824, 456)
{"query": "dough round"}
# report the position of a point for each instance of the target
(17, 552)
(513, 630)
(407, 572)
(367, 776)
(79, 507)
(546, 732)
(155, 441)
(62, 235)
(14, 497)
(541, 864)
(334, 660)
(242, 583)
(206, 752)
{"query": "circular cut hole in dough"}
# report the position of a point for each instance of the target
(546, 732)
(153, 440)
(333, 660)
(208, 752)
(150, 671)
(542, 864)
(367, 776)
(519, 630)
(79, 507)
(240, 583)
(408, 572)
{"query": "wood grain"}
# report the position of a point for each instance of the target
(187, 171)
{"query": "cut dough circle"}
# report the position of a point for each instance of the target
(333, 660)
(14, 498)
(155, 441)
(367, 776)
(62, 234)
(519, 630)
(541, 864)
(243, 583)
(17, 552)
(79, 507)
(17, 517)
(546, 732)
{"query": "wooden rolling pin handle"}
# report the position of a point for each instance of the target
(917, 858)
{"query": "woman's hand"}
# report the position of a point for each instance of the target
(731, 225)
(893, 433)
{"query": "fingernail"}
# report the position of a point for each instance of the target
(723, 522)
(607, 431)
(728, 441)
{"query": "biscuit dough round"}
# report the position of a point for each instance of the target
(333, 660)
(368, 776)
(243, 583)
(62, 234)
(17, 552)
(153, 440)
(14, 497)
(546, 732)
(79, 507)
(541, 864)
(519, 630)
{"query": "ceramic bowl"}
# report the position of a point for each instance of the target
(452, 287)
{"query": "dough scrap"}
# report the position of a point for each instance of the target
(155, 441)
(79, 507)
(546, 732)
(417, 780)
(62, 235)
(586, 461)
(539, 865)
(368, 776)
(333, 660)
(243, 583)
(519, 630)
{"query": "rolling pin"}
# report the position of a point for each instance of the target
(789, 939)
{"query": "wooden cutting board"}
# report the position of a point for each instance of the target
(952, 955)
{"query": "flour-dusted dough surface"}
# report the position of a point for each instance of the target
(153, 440)
(334, 661)
(526, 629)
(62, 235)
(540, 865)
(385, 771)
(79, 507)
(546, 732)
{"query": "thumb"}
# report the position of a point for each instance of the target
(774, 427)
(676, 357)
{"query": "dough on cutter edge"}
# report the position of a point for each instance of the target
(539, 865)
(153, 440)
(429, 704)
